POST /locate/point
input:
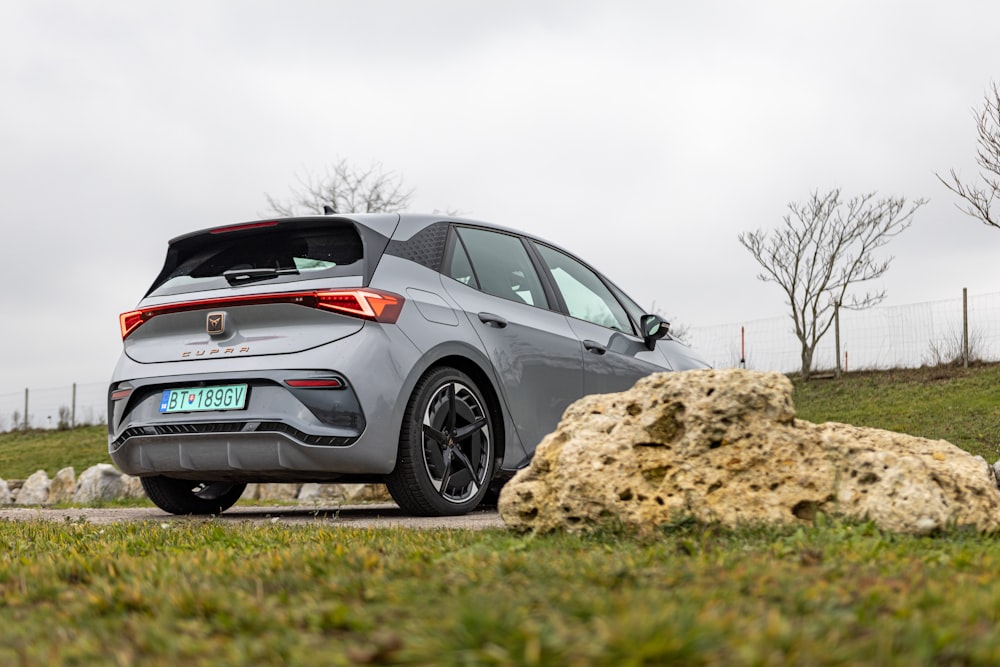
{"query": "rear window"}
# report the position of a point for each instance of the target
(284, 253)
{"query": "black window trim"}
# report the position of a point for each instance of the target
(551, 282)
(551, 295)
(373, 246)
(556, 302)
(454, 239)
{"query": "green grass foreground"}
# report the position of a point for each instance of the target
(219, 593)
(211, 593)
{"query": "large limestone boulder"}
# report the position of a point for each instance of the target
(366, 493)
(131, 487)
(5, 496)
(63, 486)
(101, 482)
(277, 492)
(724, 446)
(35, 490)
(321, 493)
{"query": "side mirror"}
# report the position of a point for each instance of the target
(653, 328)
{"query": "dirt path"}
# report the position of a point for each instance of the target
(374, 516)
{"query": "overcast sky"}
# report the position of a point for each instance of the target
(643, 136)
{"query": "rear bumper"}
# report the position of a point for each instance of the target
(283, 433)
(257, 456)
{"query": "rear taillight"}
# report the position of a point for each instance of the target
(119, 394)
(367, 304)
(316, 383)
(131, 321)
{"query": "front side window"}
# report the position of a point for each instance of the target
(500, 264)
(587, 297)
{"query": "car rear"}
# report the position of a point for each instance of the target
(256, 354)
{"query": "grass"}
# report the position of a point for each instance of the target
(959, 405)
(219, 593)
(211, 593)
(25, 452)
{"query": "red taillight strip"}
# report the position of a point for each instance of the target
(130, 321)
(368, 304)
(316, 383)
(119, 394)
(239, 228)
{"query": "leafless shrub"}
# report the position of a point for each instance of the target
(344, 188)
(947, 351)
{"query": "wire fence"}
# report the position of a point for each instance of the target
(54, 407)
(909, 336)
(921, 334)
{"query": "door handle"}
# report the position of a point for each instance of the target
(594, 346)
(492, 320)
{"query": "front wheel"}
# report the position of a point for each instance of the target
(179, 496)
(447, 452)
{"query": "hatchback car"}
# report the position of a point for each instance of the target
(426, 353)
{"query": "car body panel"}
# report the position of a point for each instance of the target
(613, 360)
(531, 361)
(529, 347)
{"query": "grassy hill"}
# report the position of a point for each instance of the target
(22, 453)
(961, 406)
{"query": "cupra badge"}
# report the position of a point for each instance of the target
(215, 323)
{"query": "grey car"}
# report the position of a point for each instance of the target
(428, 353)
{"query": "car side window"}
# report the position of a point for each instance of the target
(587, 297)
(501, 265)
(631, 307)
(459, 267)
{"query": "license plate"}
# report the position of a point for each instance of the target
(225, 397)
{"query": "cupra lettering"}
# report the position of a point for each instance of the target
(215, 351)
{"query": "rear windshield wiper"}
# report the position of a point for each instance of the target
(239, 276)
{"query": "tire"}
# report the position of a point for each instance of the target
(447, 451)
(180, 496)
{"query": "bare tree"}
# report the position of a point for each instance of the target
(978, 199)
(344, 189)
(825, 247)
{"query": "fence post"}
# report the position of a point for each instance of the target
(965, 327)
(25, 408)
(72, 412)
(836, 335)
(743, 347)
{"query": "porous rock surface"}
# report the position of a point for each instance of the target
(101, 482)
(62, 488)
(35, 489)
(724, 446)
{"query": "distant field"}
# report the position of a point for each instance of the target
(954, 404)
(22, 453)
(959, 405)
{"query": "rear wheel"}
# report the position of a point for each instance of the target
(447, 451)
(179, 496)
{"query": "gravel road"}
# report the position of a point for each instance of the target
(354, 516)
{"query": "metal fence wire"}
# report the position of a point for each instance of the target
(909, 336)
